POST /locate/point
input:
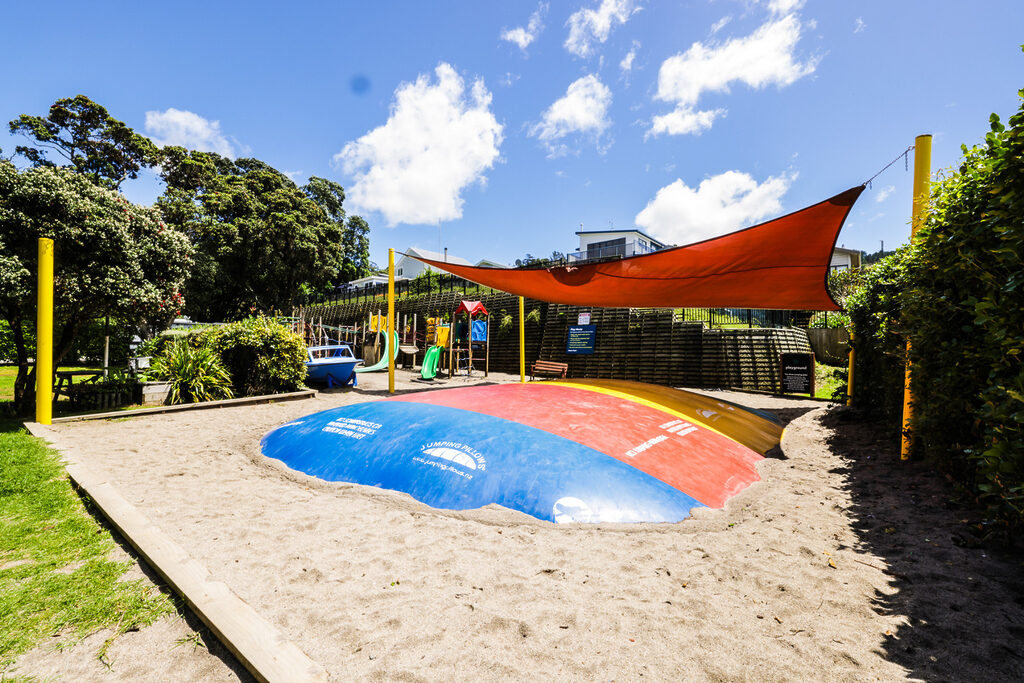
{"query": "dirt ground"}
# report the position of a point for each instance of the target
(841, 564)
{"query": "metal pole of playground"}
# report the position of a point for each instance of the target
(522, 344)
(44, 334)
(389, 339)
(922, 177)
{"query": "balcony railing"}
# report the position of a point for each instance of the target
(609, 252)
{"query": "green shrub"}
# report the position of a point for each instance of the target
(956, 295)
(829, 320)
(155, 346)
(8, 352)
(196, 374)
(879, 339)
(966, 322)
(262, 356)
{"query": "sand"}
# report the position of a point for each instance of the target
(841, 564)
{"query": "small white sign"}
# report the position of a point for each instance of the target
(584, 319)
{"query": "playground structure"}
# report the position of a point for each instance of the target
(437, 338)
(474, 333)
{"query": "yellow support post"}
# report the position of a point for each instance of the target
(391, 321)
(44, 334)
(522, 344)
(849, 374)
(922, 183)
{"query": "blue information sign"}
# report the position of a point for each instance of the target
(581, 339)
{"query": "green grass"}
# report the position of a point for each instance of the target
(55, 575)
(827, 379)
(7, 375)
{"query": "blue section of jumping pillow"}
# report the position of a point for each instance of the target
(457, 460)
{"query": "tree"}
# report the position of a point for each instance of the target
(355, 237)
(259, 238)
(92, 142)
(112, 258)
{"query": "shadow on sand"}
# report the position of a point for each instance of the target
(964, 604)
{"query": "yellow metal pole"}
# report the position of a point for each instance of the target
(391, 321)
(522, 344)
(44, 334)
(849, 374)
(922, 182)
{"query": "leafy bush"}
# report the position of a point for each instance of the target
(879, 339)
(956, 295)
(829, 320)
(8, 352)
(196, 374)
(966, 320)
(262, 356)
(155, 346)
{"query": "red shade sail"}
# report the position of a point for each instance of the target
(781, 264)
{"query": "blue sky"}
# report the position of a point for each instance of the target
(496, 129)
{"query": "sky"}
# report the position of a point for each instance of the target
(499, 129)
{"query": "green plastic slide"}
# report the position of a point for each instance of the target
(430, 360)
(382, 364)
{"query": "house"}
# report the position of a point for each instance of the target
(488, 263)
(843, 259)
(603, 244)
(368, 281)
(409, 268)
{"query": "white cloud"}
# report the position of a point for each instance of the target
(780, 7)
(884, 193)
(438, 139)
(720, 24)
(293, 175)
(684, 121)
(188, 130)
(626, 65)
(627, 62)
(524, 36)
(679, 214)
(763, 58)
(584, 110)
(859, 25)
(589, 25)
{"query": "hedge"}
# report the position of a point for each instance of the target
(958, 295)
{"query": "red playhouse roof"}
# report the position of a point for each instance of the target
(471, 307)
(781, 264)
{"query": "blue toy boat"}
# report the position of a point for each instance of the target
(334, 365)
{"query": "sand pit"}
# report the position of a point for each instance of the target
(798, 578)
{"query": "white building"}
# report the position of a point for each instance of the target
(599, 244)
(369, 281)
(843, 259)
(408, 267)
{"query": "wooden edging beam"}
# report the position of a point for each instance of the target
(259, 645)
(245, 400)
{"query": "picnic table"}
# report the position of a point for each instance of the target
(66, 380)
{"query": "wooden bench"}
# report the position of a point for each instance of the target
(550, 368)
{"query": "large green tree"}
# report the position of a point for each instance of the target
(259, 238)
(82, 135)
(355, 232)
(112, 258)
